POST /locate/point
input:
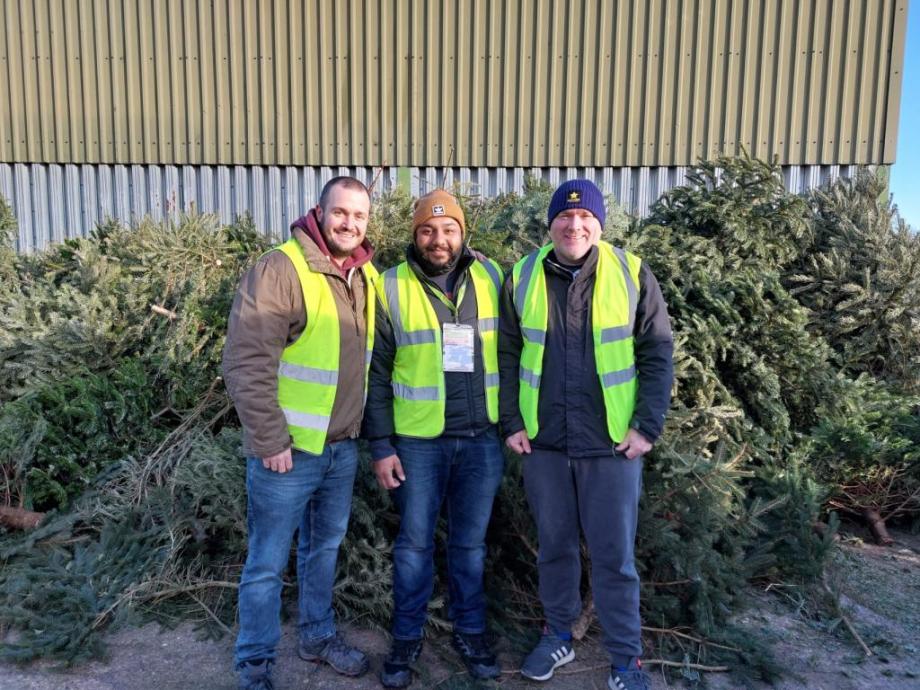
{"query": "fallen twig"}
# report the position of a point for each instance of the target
(163, 311)
(698, 640)
(844, 618)
(213, 615)
(580, 627)
(646, 662)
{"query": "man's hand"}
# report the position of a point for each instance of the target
(519, 442)
(389, 472)
(634, 445)
(279, 463)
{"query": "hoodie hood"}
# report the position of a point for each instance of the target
(362, 254)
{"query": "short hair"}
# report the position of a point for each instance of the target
(345, 182)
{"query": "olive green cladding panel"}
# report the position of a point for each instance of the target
(458, 83)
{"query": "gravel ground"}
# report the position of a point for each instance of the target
(881, 594)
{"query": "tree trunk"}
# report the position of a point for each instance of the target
(877, 527)
(19, 518)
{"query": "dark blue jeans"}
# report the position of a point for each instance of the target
(314, 498)
(465, 473)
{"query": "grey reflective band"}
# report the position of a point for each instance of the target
(534, 335)
(491, 380)
(614, 333)
(391, 289)
(631, 288)
(489, 324)
(527, 376)
(306, 420)
(401, 390)
(493, 274)
(368, 354)
(299, 372)
(520, 290)
(615, 378)
(428, 335)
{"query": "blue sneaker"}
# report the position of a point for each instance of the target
(550, 653)
(630, 678)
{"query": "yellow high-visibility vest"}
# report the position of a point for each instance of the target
(418, 368)
(613, 314)
(308, 372)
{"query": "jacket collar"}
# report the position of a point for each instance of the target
(306, 230)
(584, 272)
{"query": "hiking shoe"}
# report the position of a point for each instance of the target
(550, 653)
(477, 655)
(629, 678)
(396, 672)
(256, 676)
(335, 651)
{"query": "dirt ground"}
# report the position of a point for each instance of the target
(880, 589)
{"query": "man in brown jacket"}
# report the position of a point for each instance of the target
(300, 327)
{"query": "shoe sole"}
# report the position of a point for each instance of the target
(320, 660)
(396, 686)
(562, 662)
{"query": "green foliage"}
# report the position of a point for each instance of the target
(8, 227)
(867, 446)
(112, 413)
(55, 439)
(742, 205)
(716, 247)
(860, 278)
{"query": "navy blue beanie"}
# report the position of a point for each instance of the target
(577, 194)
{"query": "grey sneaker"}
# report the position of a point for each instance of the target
(256, 676)
(550, 653)
(397, 671)
(335, 651)
(477, 655)
(630, 678)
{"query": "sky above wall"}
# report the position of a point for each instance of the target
(905, 173)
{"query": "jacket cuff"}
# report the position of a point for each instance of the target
(381, 448)
(650, 433)
(512, 426)
(267, 452)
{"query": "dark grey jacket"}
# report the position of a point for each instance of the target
(571, 407)
(465, 411)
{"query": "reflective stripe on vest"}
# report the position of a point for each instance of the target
(308, 372)
(418, 376)
(613, 311)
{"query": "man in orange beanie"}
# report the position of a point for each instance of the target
(431, 418)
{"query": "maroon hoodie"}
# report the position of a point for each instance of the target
(360, 256)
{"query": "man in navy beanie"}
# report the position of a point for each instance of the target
(585, 363)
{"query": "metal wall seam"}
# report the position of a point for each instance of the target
(53, 202)
(525, 83)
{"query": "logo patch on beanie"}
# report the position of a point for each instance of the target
(574, 197)
(437, 210)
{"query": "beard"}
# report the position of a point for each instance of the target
(437, 265)
(340, 247)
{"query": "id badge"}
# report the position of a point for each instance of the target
(458, 347)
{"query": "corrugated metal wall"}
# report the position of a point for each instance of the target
(464, 83)
(55, 202)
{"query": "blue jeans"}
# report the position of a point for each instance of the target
(314, 497)
(466, 471)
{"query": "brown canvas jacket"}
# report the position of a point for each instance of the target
(267, 315)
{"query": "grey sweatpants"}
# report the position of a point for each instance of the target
(602, 495)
